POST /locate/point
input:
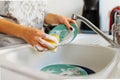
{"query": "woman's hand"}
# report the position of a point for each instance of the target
(38, 39)
(33, 36)
(59, 19)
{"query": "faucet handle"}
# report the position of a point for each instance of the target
(117, 20)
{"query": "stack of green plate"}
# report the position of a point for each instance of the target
(64, 70)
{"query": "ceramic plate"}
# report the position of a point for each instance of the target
(64, 70)
(65, 35)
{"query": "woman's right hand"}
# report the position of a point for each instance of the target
(38, 39)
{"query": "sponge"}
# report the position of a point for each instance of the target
(58, 38)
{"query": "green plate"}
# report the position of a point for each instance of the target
(66, 36)
(64, 70)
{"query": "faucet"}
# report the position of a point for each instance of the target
(116, 27)
(97, 30)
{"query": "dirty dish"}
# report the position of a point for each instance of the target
(64, 70)
(65, 35)
(88, 70)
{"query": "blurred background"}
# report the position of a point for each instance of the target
(97, 11)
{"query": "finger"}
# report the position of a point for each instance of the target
(70, 20)
(66, 22)
(39, 48)
(47, 44)
(38, 45)
(42, 35)
(50, 38)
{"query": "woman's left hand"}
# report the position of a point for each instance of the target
(59, 19)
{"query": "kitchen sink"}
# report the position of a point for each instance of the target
(91, 39)
(26, 61)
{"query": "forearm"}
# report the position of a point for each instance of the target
(10, 28)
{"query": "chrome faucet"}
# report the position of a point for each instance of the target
(97, 30)
(116, 28)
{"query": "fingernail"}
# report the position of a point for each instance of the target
(71, 28)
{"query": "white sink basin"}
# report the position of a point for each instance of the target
(24, 60)
(91, 39)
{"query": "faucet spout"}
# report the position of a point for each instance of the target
(94, 28)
